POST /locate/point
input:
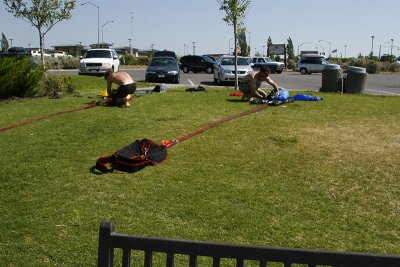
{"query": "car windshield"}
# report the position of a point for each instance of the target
(98, 54)
(208, 59)
(163, 62)
(231, 61)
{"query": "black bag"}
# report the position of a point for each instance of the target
(133, 157)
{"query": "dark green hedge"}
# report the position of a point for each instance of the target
(19, 77)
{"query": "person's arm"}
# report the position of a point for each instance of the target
(109, 83)
(273, 84)
(253, 89)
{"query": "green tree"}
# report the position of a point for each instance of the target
(290, 49)
(244, 49)
(235, 13)
(4, 43)
(42, 14)
(269, 43)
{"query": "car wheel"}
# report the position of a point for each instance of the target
(185, 69)
(209, 70)
(279, 72)
(194, 71)
(177, 80)
(303, 71)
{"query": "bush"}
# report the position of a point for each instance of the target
(372, 66)
(57, 63)
(19, 77)
(53, 84)
(131, 60)
(291, 65)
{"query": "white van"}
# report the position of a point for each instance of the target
(311, 63)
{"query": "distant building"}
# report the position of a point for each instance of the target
(75, 50)
(125, 50)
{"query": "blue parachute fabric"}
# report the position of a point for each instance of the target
(283, 95)
(305, 97)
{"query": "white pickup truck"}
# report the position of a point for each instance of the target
(275, 67)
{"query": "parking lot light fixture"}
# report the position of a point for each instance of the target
(372, 48)
(98, 21)
(330, 46)
(102, 28)
(298, 47)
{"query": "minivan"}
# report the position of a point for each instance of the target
(311, 63)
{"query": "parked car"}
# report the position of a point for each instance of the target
(55, 53)
(15, 52)
(275, 67)
(197, 64)
(311, 63)
(224, 70)
(36, 53)
(163, 69)
(165, 53)
(98, 61)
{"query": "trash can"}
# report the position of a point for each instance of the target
(356, 80)
(331, 78)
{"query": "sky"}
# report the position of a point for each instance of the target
(345, 25)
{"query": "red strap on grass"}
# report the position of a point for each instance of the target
(205, 128)
(45, 117)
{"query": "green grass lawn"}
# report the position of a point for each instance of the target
(319, 175)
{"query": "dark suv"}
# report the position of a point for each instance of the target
(197, 64)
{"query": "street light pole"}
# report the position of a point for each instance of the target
(102, 28)
(194, 51)
(298, 47)
(372, 48)
(98, 21)
(391, 47)
(330, 46)
(249, 43)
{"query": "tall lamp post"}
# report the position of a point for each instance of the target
(372, 47)
(194, 48)
(330, 46)
(102, 28)
(229, 51)
(249, 42)
(98, 21)
(298, 47)
(11, 39)
(391, 47)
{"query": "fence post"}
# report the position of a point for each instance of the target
(105, 251)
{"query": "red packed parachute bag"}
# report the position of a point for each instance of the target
(133, 157)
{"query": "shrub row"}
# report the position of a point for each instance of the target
(19, 77)
(371, 65)
(131, 60)
(57, 63)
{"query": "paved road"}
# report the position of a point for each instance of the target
(382, 84)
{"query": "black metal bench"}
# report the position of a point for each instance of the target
(109, 240)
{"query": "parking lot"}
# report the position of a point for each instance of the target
(381, 84)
